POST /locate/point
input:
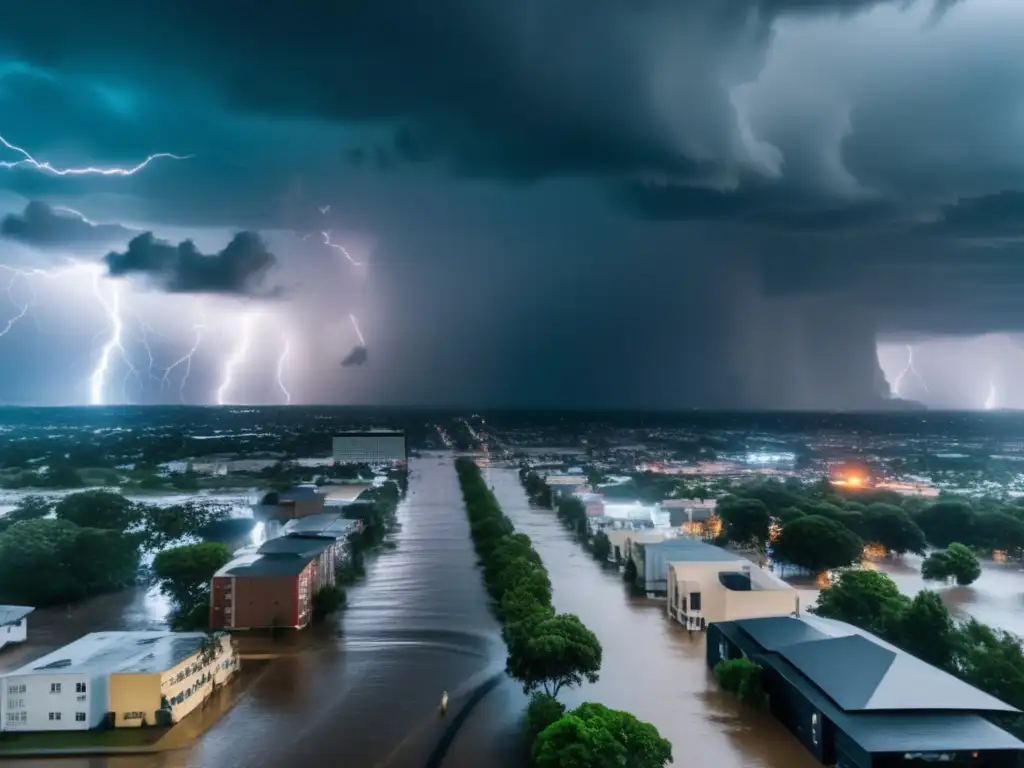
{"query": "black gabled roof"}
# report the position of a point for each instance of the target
(860, 672)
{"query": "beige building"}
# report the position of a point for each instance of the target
(624, 540)
(173, 678)
(700, 593)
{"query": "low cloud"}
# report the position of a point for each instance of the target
(240, 268)
(359, 355)
(44, 226)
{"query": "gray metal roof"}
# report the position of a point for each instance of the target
(109, 652)
(927, 733)
(261, 565)
(861, 672)
(307, 547)
(326, 524)
(689, 550)
(12, 614)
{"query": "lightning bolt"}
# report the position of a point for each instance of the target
(359, 333)
(27, 160)
(281, 362)
(237, 357)
(324, 210)
(341, 249)
(186, 359)
(114, 344)
(908, 370)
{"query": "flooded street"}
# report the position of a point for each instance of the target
(364, 689)
(652, 668)
(367, 693)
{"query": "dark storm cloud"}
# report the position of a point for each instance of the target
(238, 269)
(43, 226)
(991, 216)
(520, 89)
(358, 355)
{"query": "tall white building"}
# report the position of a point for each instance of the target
(370, 447)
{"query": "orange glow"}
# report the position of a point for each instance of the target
(824, 582)
(875, 551)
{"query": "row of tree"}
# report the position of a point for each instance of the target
(548, 651)
(987, 658)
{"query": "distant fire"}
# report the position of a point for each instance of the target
(875, 551)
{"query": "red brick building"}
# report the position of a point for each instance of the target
(260, 591)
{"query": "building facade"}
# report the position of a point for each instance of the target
(652, 560)
(105, 678)
(854, 701)
(370, 447)
(264, 591)
(13, 624)
(700, 593)
(170, 681)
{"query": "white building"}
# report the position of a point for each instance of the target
(70, 688)
(13, 624)
(370, 447)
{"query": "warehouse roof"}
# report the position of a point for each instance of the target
(690, 550)
(927, 733)
(110, 652)
(325, 524)
(305, 547)
(861, 672)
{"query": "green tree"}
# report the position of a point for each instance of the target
(947, 521)
(957, 563)
(999, 530)
(741, 678)
(992, 660)
(925, 629)
(185, 572)
(166, 525)
(557, 652)
(629, 572)
(327, 600)
(593, 736)
(542, 711)
(744, 520)
(66, 562)
(601, 546)
(98, 509)
(817, 544)
(28, 508)
(891, 527)
(866, 599)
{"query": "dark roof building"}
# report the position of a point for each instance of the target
(856, 701)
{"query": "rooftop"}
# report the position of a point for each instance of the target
(118, 652)
(304, 547)
(326, 524)
(372, 433)
(684, 550)
(258, 565)
(873, 676)
(12, 614)
(299, 493)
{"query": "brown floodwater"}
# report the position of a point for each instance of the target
(364, 689)
(652, 667)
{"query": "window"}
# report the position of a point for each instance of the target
(79, 717)
(54, 688)
(79, 687)
(695, 601)
(134, 716)
(55, 715)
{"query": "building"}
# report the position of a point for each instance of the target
(274, 585)
(13, 624)
(701, 592)
(855, 701)
(370, 447)
(652, 560)
(623, 541)
(116, 679)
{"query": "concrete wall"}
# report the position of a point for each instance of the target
(134, 699)
(37, 696)
(719, 603)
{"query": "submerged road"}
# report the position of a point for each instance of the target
(367, 692)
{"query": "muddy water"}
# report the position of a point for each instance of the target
(652, 668)
(366, 692)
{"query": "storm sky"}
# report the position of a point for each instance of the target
(586, 203)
